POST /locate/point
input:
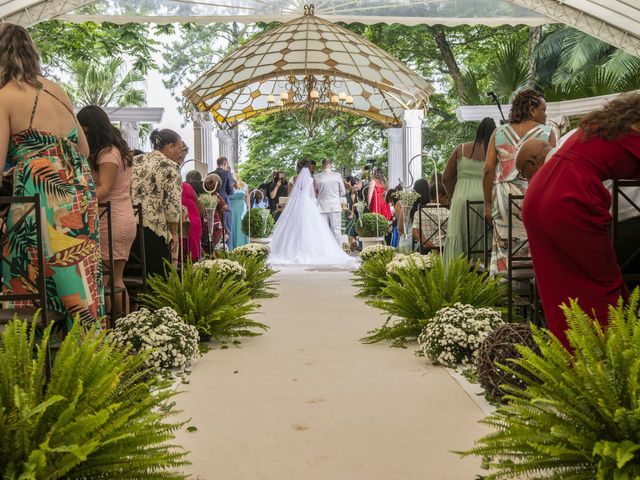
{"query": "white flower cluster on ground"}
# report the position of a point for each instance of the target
(223, 266)
(454, 334)
(372, 251)
(414, 260)
(253, 250)
(172, 343)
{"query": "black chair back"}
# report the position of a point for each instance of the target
(619, 193)
(478, 246)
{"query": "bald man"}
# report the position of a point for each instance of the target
(531, 156)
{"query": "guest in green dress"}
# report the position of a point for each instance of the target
(462, 180)
(239, 207)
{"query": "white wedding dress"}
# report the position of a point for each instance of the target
(302, 236)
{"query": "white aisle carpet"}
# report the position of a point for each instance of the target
(308, 401)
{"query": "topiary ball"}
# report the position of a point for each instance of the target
(258, 223)
(372, 225)
(497, 349)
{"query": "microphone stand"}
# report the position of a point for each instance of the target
(496, 100)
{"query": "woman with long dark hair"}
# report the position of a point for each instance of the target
(500, 177)
(110, 160)
(462, 181)
(566, 213)
(40, 138)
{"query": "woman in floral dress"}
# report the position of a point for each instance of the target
(500, 176)
(39, 137)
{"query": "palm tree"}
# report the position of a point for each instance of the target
(104, 84)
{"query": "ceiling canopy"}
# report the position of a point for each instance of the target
(614, 21)
(303, 56)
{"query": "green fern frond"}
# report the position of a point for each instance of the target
(578, 415)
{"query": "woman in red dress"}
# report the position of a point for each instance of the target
(566, 213)
(377, 203)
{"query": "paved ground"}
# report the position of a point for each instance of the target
(308, 401)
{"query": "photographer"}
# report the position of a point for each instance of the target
(276, 188)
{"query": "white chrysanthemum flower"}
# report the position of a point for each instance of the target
(171, 342)
(373, 251)
(455, 333)
(222, 265)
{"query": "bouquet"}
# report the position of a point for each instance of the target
(209, 202)
(374, 251)
(222, 266)
(172, 342)
(407, 197)
(360, 207)
(455, 333)
(253, 250)
(414, 260)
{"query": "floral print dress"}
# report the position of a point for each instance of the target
(52, 167)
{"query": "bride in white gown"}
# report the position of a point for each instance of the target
(302, 236)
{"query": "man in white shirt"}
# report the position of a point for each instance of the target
(331, 194)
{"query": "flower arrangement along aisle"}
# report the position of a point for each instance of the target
(578, 416)
(414, 293)
(253, 258)
(211, 296)
(172, 343)
(371, 275)
(455, 333)
(99, 416)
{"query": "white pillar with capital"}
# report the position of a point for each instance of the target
(395, 161)
(229, 145)
(203, 139)
(131, 134)
(412, 129)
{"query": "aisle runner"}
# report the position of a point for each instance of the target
(307, 400)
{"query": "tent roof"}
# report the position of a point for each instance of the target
(614, 21)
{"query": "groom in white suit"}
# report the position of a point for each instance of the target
(331, 192)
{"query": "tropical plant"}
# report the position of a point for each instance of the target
(105, 83)
(371, 275)
(578, 415)
(217, 304)
(253, 258)
(372, 225)
(412, 296)
(258, 223)
(171, 343)
(455, 333)
(99, 415)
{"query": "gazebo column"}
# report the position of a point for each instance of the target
(395, 160)
(131, 134)
(203, 140)
(412, 129)
(228, 146)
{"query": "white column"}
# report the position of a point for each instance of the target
(412, 129)
(395, 160)
(203, 140)
(228, 146)
(131, 134)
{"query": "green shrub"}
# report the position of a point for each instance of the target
(262, 223)
(217, 304)
(372, 225)
(100, 416)
(412, 296)
(371, 277)
(578, 416)
(258, 276)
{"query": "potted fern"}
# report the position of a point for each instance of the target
(577, 415)
(371, 229)
(258, 224)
